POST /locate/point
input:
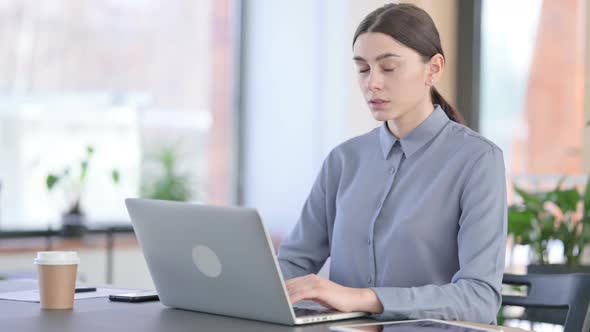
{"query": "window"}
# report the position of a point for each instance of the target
(134, 80)
(532, 89)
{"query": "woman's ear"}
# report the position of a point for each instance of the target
(435, 67)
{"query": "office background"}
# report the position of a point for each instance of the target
(238, 102)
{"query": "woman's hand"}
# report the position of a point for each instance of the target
(332, 295)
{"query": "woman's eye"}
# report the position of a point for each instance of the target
(363, 70)
(388, 69)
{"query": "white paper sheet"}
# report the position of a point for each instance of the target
(33, 295)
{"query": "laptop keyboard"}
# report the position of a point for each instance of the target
(302, 312)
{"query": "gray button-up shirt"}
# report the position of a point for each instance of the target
(421, 220)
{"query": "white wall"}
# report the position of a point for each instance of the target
(296, 100)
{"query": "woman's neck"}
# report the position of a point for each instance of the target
(411, 119)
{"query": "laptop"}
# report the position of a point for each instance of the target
(217, 260)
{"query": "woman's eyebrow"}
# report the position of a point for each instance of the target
(378, 58)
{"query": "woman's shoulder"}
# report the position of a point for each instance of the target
(470, 140)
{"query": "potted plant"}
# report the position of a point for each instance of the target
(169, 184)
(558, 214)
(73, 219)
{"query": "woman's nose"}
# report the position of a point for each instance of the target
(375, 81)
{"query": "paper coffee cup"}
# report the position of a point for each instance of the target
(57, 278)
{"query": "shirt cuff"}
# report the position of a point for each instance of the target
(403, 303)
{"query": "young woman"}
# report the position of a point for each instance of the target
(413, 213)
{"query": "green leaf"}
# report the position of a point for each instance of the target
(585, 237)
(547, 225)
(567, 200)
(168, 185)
(586, 217)
(116, 176)
(89, 150)
(563, 232)
(520, 221)
(530, 200)
(83, 170)
(168, 160)
(51, 181)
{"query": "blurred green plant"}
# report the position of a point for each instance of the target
(558, 214)
(169, 185)
(73, 184)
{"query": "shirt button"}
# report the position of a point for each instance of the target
(379, 204)
(369, 280)
(392, 170)
(369, 241)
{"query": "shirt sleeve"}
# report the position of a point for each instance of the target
(474, 293)
(307, 247)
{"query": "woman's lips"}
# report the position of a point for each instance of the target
(378, 104)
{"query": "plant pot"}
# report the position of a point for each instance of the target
(73, 225)
(557, 269)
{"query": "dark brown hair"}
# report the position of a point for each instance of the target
(413, 27)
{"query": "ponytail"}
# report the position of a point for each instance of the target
(437, 98)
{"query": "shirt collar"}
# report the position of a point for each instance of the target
(417, 137)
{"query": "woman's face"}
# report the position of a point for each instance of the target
(393, 78)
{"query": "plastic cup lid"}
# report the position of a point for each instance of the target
(57, 258)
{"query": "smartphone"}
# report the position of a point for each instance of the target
(135, 297)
